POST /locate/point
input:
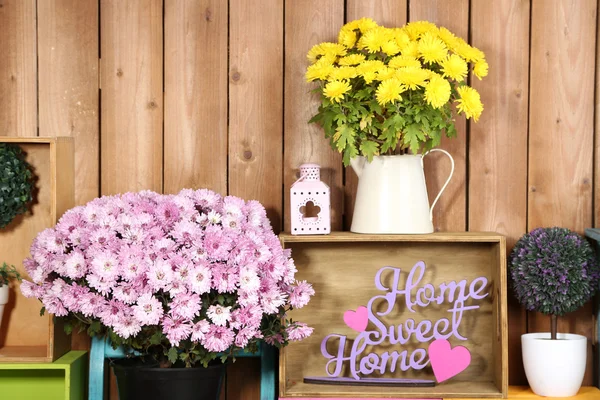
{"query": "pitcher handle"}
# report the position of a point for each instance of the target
(445, 184)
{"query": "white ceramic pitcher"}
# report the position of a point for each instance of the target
(391, 196)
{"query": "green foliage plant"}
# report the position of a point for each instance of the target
(8, 273)
(553, 271)
(16, 184)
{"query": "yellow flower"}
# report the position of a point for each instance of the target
(469, 102)
(432, 48)
(347, 36)
(468, 52)
(335, 90)
(401, 37)
(342, 73)
(448, 37)
(331, 50)
(385, 73)
(412, 76)
(368, 69)
(410, 50)
(389, 91)
(351, 59)
(373, 39)
(319, 70)
(418, 28)
(437, 91)
(404, 61)
(480, 69)
(365, 24)
(455, 67)
(390, 48)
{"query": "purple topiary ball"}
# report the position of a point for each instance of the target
(553, 270)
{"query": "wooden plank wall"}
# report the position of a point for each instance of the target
(167, 94)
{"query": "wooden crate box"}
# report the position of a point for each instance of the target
(25, 336)
(344, 268)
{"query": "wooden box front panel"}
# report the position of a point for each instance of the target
(24, 335)
(342, 270)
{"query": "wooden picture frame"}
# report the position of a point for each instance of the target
(26, 336)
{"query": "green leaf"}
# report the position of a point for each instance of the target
(345, 137)
(156, 338)
(349, 153)
(369, 149)
(42, 311)
(172, 355)
(413, 136)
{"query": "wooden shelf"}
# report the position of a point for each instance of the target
(525, 393)
(24, 335)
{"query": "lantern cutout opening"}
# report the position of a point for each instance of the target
(310, 203)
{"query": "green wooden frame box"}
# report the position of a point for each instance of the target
(342, 269)
(25, 336)
(63, 379)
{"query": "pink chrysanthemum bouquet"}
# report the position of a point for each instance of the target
(186, 277)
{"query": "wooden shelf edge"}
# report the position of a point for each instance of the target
(34, 139)
(344, 236)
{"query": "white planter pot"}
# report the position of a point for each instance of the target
(554, 368)
(3, 299)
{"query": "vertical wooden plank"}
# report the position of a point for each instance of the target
(132, 98)
(68, 84)
(450, 211)
(255, 128)
(561, 131)
(498, 145)
(256, 103)
(18, 68)
(308, 23)
(195, 137)
(388, 13)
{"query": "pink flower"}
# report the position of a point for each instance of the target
(301, 293)
(298, 331)
(159, 275)
(75, 265)
(54, 305)
(126, 292)
(176, 329)
(244, 335)
(186, 306)
(271, 300)
(105, 265)
(224, 279)
(127, 326)
(92, 304)
(30, 289)
(217, 244)
(148, 310)
(218, 338)
(112, 312)
(274, 339)
(199, 329)
(219, 315)
(200, 279)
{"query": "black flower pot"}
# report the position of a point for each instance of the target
(146, 381)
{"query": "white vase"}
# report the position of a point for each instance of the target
(3, 300)
(554, 368)
(392, 196)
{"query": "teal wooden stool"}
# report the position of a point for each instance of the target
(102, 350)
(594, 235)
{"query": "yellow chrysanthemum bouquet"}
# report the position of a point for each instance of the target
(392, 90)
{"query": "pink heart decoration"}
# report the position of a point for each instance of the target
(358, 319)
(447, 362)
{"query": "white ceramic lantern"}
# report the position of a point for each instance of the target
(310, 203)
